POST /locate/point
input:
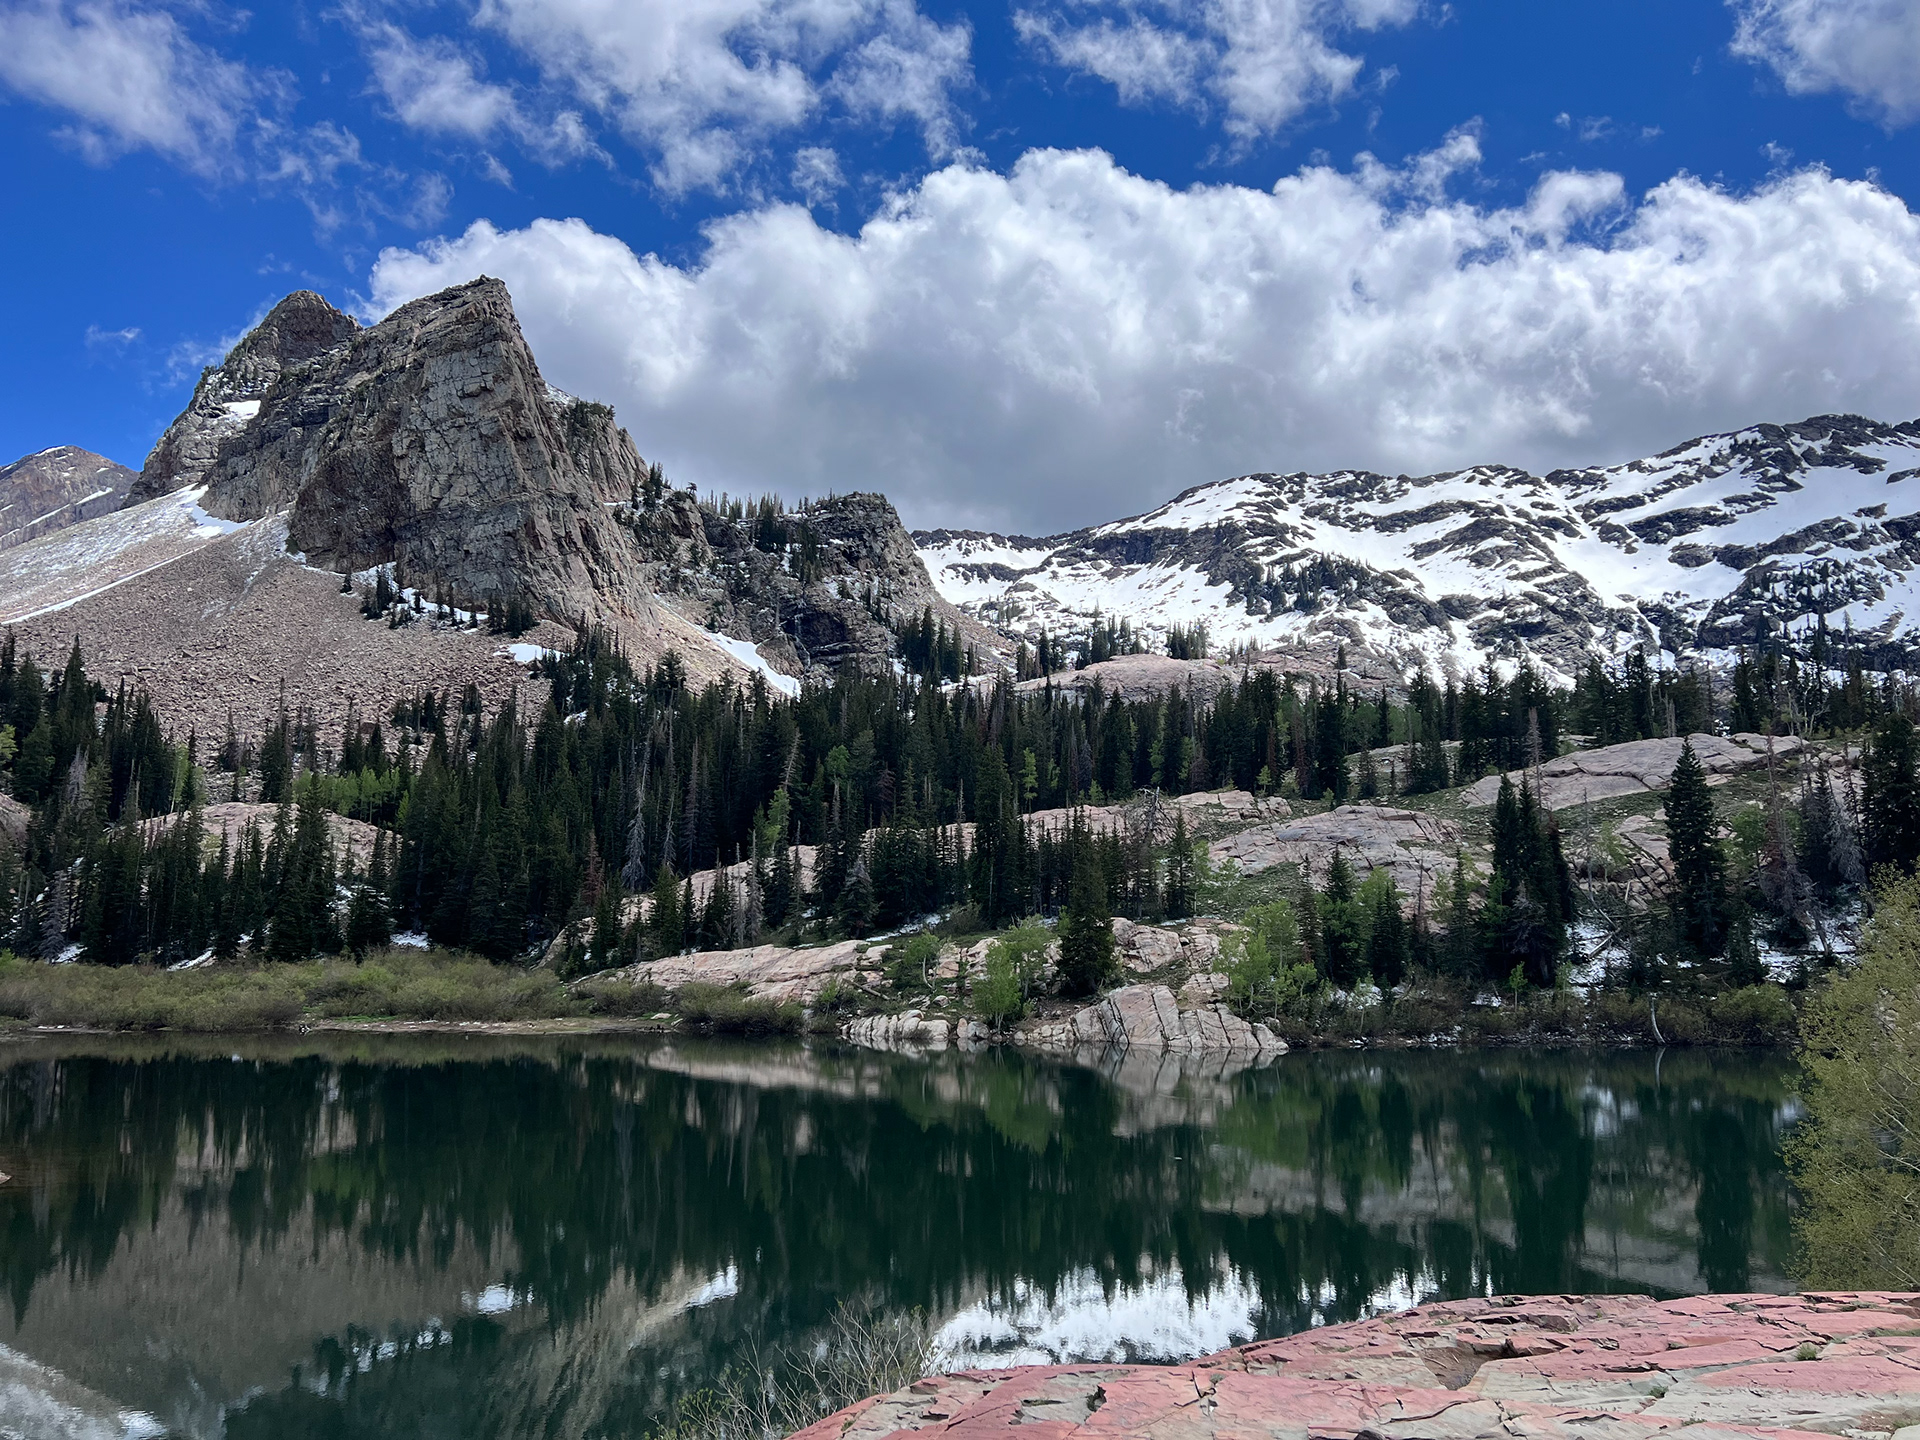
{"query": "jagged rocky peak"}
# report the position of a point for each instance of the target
(428, 440)
(1715, 543)
(298, 330)
(52, 489)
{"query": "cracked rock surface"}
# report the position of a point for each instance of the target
(1555, 1367)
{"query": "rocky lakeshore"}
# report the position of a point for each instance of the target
(1554, 1367)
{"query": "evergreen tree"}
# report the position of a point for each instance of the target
(666, 917)
(1343, 926)
(1697, 897)
(1086, 926)
(1180, 896)
(1890, 795)
(604, 945)
(369, 924)
(1389, 943)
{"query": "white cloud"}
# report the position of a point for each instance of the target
(435, 85)
(1868, 50)
(704, 84)
(1070, 342)
(1261, 61)
(132, 78)
(816, 174)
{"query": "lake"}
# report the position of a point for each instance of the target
(383, 1236)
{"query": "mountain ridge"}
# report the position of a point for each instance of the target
(1711, 544)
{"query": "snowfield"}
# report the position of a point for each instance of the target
(1695, 549)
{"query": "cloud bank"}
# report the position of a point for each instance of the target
(1868, 50)
(1069, 342)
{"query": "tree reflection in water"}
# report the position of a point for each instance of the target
(569, 1234)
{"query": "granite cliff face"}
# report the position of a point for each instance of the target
(301, 328)
(49, 491)
(428, 441)
(1704, 547)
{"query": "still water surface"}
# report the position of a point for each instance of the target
(434, 1236)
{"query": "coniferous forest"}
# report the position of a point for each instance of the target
(875, 803)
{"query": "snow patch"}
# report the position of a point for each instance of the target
(412, 939)
(748, 654)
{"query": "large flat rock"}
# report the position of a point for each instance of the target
(1637, 767)
(1782, 1367)
(1414, 847)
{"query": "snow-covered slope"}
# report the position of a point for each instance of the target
(1699, 548)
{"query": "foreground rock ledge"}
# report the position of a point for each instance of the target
(1597, 1368)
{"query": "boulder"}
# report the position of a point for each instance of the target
(911, 1032)
(1151, 1018)
(1636, 767)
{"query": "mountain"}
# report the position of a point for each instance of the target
(1702, 548)
(428, 441)
(43, 493)
(322, 455)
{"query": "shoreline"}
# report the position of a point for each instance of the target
(593, 1026)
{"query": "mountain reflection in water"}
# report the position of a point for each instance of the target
(403, 1236)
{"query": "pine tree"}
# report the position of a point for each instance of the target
(1180, 871)
(369, 924)
(1389, 944)
(666, 918)
(1086, 926)
(603, 948)
(1890, 795)
(1343, 933)
(1697, 897)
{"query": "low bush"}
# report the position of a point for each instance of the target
(615, 998)
(398, 984)
(730, 1010)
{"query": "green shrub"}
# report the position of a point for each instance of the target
(998, 996)
(604, 995)
(730, 1010)
(910, 964)
(1754, 1015)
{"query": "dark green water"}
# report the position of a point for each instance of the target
(437, 1236)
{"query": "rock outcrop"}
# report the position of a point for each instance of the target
(768, 972)
(1557, 1367)
(300, 329)
(911, 1032)
(428, 441)
(1151, 1018)
(1638, 767)
(1414, 847)
(48, 491)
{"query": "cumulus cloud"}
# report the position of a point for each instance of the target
(1868, 50)
(1262, 62)
(1069, 342)
(131, 78)
(704, 84)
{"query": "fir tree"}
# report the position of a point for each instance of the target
(1697, 897)
(1891, 795)
(1086, 926)
(1343, 926)
(1389, 944)
(1180, 871)
(665, 919)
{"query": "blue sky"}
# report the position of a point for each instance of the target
(1025, 264)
